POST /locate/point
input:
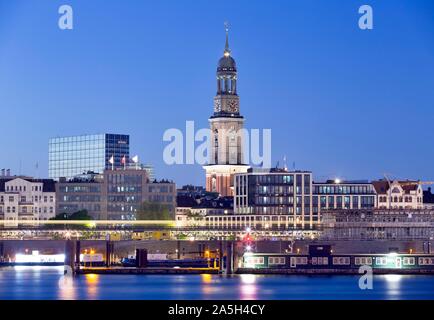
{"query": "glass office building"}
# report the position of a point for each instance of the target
(275, 195)
(71, 156)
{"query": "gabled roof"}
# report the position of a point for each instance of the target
(382, 186)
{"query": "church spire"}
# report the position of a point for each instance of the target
(227, 50)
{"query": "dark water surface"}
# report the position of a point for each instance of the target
(47, 283)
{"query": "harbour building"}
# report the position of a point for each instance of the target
(293, 199)
(25, 198)
(341, 194)
(275, 195)
(75, 155)
(113, 195)
(399, 194)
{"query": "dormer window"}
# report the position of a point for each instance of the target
(396, 190)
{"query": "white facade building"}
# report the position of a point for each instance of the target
(25, 198)
(399, 194)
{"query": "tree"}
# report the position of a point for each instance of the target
(78, 215)
(81, 215)
(193, 215)
(153, 211)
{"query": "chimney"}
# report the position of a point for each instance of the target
(3, 172)
(8, 172)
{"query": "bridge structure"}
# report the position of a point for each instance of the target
(119, 230)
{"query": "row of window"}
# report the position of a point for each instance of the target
(342, 189)
(160, 189)
(132, 179)
(280, 179)
(426, 261)
(320, 261)
(32, 210)
(80, 188)
(23, 188)
(341, 260)
(124, 189)
(276, 260)
(86, 137)
(81, 198)
(358, 261)
(407, 199)
(24, 199)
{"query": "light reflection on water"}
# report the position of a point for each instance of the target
(92, 285)
(248, 286)
(393, 283)
(49, 283)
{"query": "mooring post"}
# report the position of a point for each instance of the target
(70, 247)
(220, 255)
(229, 257)
(236, 256)
(1, 250)
(178, 249)
(112, 251)
(77, 253)
(109, 252)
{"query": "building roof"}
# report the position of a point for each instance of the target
(217, 203)
(275, 170)
(48, 185)
(185, 201)
(227, 63)
(382, 186)
(163, 181)
(342, 182)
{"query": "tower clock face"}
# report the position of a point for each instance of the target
(233, 106)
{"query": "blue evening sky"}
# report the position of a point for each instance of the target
(340, 101)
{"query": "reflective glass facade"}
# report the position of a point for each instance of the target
(343, 195)
(71, 156)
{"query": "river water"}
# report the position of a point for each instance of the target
(48, 283)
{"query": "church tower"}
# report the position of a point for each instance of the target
(226, 124)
